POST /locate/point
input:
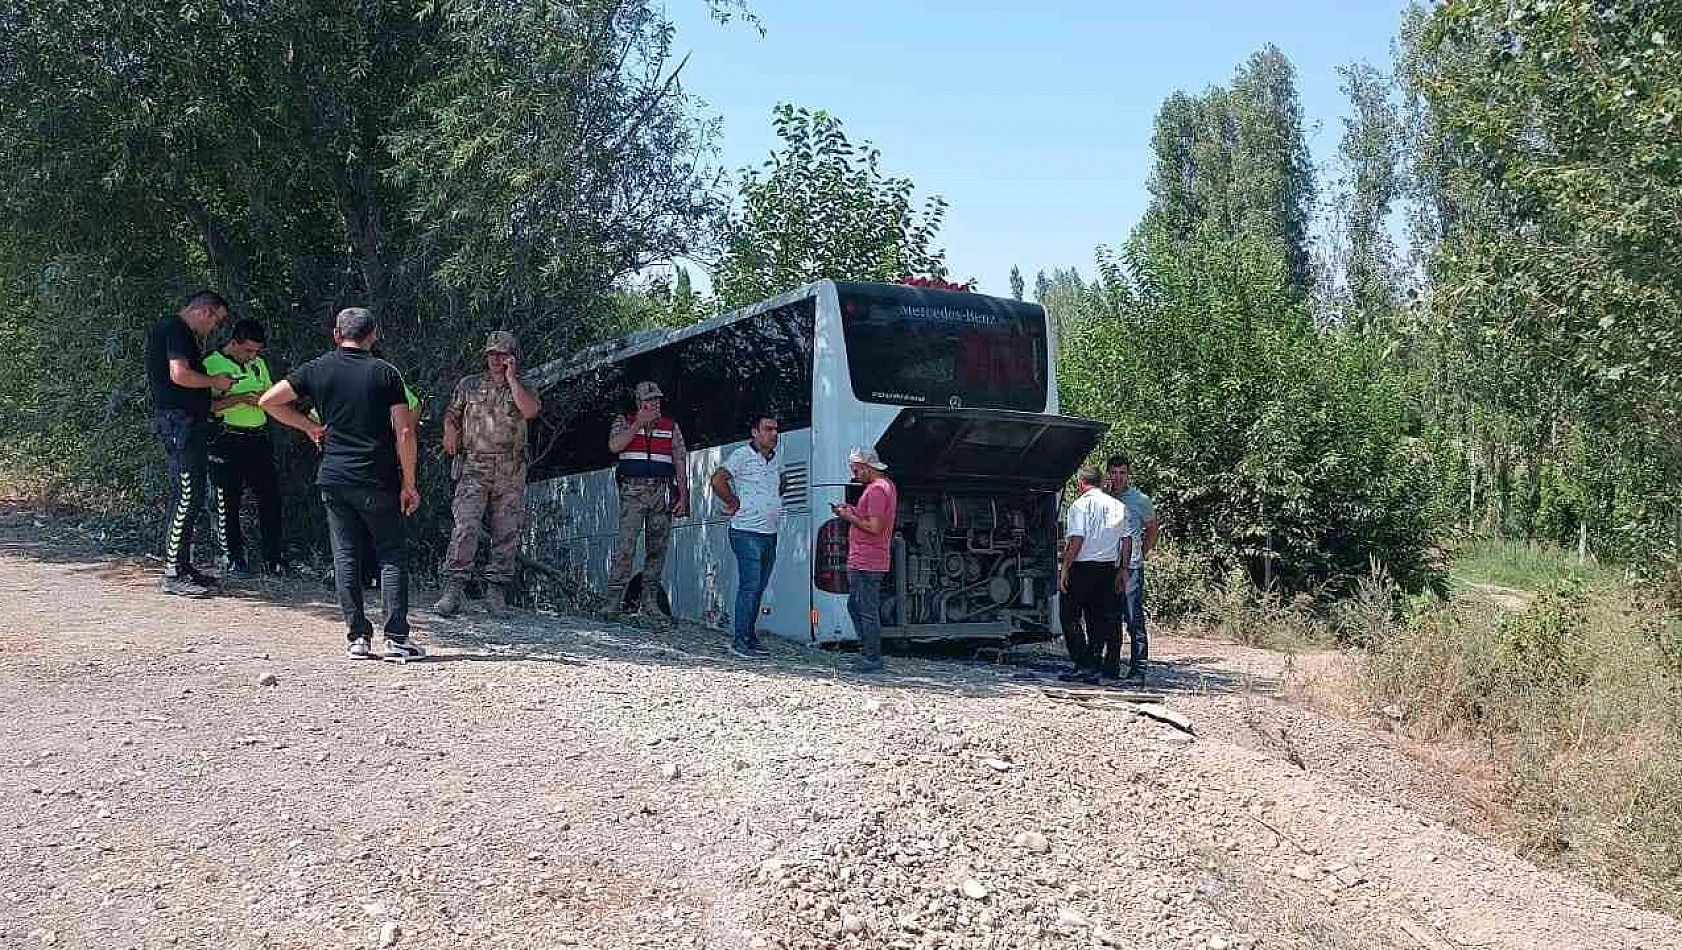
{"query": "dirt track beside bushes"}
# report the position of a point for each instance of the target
(554, 782)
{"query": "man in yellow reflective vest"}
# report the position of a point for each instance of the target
(241, 452)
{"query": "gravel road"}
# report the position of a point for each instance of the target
(214, 774)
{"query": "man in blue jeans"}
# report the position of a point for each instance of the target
(870, 535)
(750, 487)
(1141, 520)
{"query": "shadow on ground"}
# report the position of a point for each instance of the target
(551, 638)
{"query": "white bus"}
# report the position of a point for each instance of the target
(955, 390)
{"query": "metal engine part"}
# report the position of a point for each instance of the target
(977, 558)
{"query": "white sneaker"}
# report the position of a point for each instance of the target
(359, 649)
(401, 651)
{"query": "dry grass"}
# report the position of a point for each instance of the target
(1555, 709)
(1575, 701)
(1237, 611)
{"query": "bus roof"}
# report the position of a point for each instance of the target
(642, 341)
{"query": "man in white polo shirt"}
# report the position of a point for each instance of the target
(1095, 545)
(750, 486)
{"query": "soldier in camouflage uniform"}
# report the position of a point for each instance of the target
(653, 489)
(485, 430)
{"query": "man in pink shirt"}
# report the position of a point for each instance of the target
(868, 544)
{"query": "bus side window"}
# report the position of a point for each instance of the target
(722, 376)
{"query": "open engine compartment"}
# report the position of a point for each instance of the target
(974, 564)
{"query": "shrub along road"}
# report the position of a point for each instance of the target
(213, 774)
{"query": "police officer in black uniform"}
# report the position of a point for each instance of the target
(181, 392)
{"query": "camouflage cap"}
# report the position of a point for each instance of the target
(501, 341)
(648, 390)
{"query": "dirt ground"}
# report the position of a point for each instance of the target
(549, 782)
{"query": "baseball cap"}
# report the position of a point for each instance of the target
(864, 456)
(501, 341)
(648, 390)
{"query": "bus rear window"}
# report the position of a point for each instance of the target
(915, 347)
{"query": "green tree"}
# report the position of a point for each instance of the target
(536, 227)
(456, 167)
(1234, 161)
(1269, 444)
(1547, 184)
(1017, 285)
(1370, 151)
(822, 207)
(1042, 286)
(684, 299)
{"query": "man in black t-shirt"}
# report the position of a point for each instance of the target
(181, 417)
(367, 475)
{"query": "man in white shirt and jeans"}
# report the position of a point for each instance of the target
(750, 486)
(1095, 546)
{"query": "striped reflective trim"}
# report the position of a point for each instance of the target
(185, 500)
(219, 515)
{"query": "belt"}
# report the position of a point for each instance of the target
(663, 480)
(246, 430)
(511, 453)
(1109, 564)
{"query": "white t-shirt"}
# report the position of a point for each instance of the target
(1101, 522)
(757, 482)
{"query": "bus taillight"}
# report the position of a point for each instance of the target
(829, 566)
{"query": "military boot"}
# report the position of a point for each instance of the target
(656, 618)
(496, 600)
(613, 606)
(449, 604)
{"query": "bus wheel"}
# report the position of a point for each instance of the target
(633, 597)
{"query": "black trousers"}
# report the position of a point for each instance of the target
(1092, 588)
(350, 513)
(183, 437)
(241, 459)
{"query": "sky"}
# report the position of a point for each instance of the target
(1032, 120)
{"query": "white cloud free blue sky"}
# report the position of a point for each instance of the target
(1033, 120)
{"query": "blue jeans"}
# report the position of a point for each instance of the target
(864, 604)
(755, 553)
(1133, 616)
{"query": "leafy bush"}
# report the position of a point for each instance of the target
(1268, 444)
(1237, 610)
(1365, 616)
(1178, 579)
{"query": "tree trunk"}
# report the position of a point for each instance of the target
(225, 260)
(358, 200)
(1472, 497)
(1503, 492)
